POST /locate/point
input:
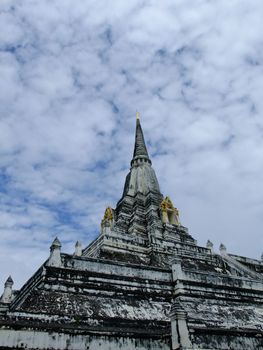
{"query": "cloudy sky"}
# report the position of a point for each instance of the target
(73, 74)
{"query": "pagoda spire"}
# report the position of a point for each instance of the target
(140, 150)
(141, 178)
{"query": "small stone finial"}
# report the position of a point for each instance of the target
(9, 281)
(55, 257)
(209, 245)
(55, 244)
(222, 248)
(137, 115)
(78, 249)
(7, 295)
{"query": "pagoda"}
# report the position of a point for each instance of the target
(143, 283)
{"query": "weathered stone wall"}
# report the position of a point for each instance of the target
(89, 296)
(29, 339)
(224, 309)
(228, 341)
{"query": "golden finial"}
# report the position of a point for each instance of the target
(137, 115)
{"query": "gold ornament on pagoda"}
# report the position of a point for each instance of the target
(108, 217)
(170, 214)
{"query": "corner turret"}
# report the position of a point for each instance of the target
(7, 295)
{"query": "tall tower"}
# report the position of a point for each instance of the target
(145, 224)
